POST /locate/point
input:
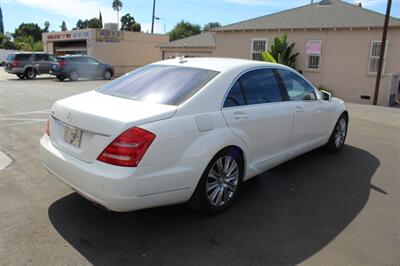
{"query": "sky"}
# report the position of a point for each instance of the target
(169, 12)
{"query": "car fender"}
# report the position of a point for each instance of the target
(179, 139)
(32, 66)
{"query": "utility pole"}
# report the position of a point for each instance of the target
(153, 17)
(382, 54)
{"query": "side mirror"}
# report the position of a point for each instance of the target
(326, 96)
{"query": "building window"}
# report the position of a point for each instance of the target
(258, 45)
(313, 51)
(374, 55)
(313, 62)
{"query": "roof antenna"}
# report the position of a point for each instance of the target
(181, 59)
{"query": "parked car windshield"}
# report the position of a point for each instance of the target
(170, 85)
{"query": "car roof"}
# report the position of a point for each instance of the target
(214, 63)
(31, 53)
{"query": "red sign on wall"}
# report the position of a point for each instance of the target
(58, 36)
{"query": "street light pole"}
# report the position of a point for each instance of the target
(382, 54)
(152, 19)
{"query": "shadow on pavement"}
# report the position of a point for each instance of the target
(284, 216)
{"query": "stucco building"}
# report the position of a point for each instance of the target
(339, 46)
(123, 49)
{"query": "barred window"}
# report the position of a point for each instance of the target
(313, 51)
(374, 55)
(258, 45)
(313, 61)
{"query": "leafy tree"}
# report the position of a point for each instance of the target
(184, 29)
(117, 6)
(63, 26)
(27, 43)
(94, 23)
(6, 43)
(29, 29)
(80, 24)
(1, 22)
(128, 23)
(281, 52)
(211, 25)
(46, 26)
(37, 47)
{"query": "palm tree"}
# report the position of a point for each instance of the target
(117, 5)
(281, 52)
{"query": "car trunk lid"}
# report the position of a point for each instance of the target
(99, 119)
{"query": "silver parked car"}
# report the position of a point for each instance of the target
(28, 65)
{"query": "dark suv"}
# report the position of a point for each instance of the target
(28, 65)
(74, 67)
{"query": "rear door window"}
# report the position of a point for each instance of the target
(162, 84)
(23, 57)
(235, 96)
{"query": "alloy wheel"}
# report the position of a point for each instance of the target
(222, 181)
(107, 75)
(340, 134)
(73, 75)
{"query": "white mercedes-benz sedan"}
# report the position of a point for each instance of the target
(187, 130)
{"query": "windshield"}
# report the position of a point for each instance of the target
(162, 84)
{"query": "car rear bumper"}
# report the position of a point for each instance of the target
(122, 188)
(14, 70)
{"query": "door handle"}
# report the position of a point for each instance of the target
(299, 109)
(240, 115)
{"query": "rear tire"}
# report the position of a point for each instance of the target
(73, 75)
(61, 78)
(220, 183)
(30, 73)
(339, 134)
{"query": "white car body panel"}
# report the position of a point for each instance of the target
(187, 137)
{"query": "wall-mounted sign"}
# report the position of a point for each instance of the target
(105, 35)
(59, 36)
(314, 47)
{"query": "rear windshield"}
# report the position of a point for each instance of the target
(170, 85)
(10, 57)
(22, 57)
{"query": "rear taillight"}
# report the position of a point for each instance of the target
(62, 63)
(14, 63)
(128, 148)
(47, 127)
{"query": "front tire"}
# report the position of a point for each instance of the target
(61, 78)
(339, 134)
(21, 76)
(220, 183)
(107, 75)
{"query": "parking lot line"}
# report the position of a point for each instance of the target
(24, 123)
(46, 111)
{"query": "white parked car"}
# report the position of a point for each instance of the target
(187, 130)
